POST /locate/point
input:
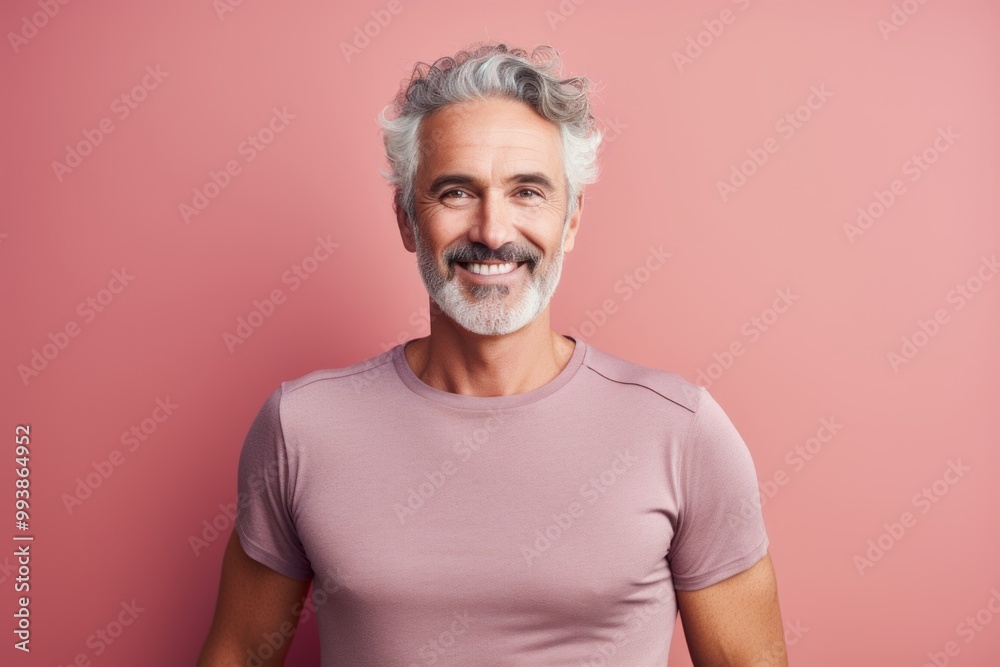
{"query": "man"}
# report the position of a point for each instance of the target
(495, 493)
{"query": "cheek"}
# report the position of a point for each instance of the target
(443, 222)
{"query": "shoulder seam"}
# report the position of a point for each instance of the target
(645, 386)
(338, 374)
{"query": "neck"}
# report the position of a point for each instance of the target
(459, 361)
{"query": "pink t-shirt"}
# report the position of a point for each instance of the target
(545, 528)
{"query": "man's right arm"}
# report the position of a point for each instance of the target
(254, 602)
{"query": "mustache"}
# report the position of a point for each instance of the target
(477, 252)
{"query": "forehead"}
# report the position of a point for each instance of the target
(493, 134)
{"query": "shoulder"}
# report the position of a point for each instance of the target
(323, 382)
(668, 385)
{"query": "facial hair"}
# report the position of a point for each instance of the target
(491, 310)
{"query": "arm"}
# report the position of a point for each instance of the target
(254, 601)
(735, 622)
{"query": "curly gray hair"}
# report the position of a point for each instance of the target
(491, 70)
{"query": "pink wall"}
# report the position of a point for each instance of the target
(904, 100)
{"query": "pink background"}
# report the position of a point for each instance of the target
(674, 132)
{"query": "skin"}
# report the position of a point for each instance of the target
(490, 142)
(254, 602)
(735, 622)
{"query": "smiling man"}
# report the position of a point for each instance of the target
(495, 493)
(497, 219)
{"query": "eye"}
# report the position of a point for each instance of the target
(447, 195)
(529, 191)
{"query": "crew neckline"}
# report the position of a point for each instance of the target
(421, 388)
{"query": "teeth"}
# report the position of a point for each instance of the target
(492, 269)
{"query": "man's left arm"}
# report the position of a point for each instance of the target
(735, 622)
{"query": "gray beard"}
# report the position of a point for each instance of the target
(486, 309)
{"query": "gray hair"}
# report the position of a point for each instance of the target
(483, 71)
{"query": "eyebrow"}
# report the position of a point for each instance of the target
(443, 181)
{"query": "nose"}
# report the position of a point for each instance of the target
(492, 221)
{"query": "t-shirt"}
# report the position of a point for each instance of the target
(550, 527)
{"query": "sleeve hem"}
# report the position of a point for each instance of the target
(724, 572)
(265, 557)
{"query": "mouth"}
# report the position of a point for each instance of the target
(491, 270)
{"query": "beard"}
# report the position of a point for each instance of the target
(491, 310)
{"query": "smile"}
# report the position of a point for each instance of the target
(489, 269)
(484, 273)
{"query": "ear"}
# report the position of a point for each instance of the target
(574, 224)
(405, 230)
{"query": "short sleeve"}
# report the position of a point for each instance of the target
(720, 527)
(264, 520)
